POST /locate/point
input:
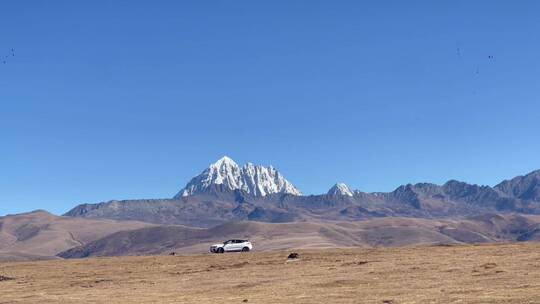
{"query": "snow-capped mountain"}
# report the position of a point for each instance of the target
(340, 189)
(256, 180)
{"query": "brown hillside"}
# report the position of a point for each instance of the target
(275, 236)
(39, 234)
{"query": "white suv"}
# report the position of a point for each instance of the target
(231, 245)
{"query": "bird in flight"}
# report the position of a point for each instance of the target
(12, 53)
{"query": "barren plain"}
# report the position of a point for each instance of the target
(491, 273)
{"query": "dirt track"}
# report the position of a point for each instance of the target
(464, 274)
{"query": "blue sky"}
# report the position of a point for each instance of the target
(131, 99)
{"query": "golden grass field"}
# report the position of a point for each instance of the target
(503, 273)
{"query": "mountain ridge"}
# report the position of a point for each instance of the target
(225, 191)
(524, 187)
(218, 204)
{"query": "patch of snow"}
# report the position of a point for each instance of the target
(340, 189)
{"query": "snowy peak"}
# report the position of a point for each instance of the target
(224, 161)
(224, 171)
(256, 180)
(340, 189)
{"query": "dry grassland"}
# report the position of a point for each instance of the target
(456, 274)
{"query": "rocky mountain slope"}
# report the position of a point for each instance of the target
(523, 187)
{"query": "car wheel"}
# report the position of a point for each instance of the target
(220, 250)
(245, 249)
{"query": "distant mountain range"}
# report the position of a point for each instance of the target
(256, 202)
(225, 191)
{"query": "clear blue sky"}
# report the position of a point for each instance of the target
(131, 99)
